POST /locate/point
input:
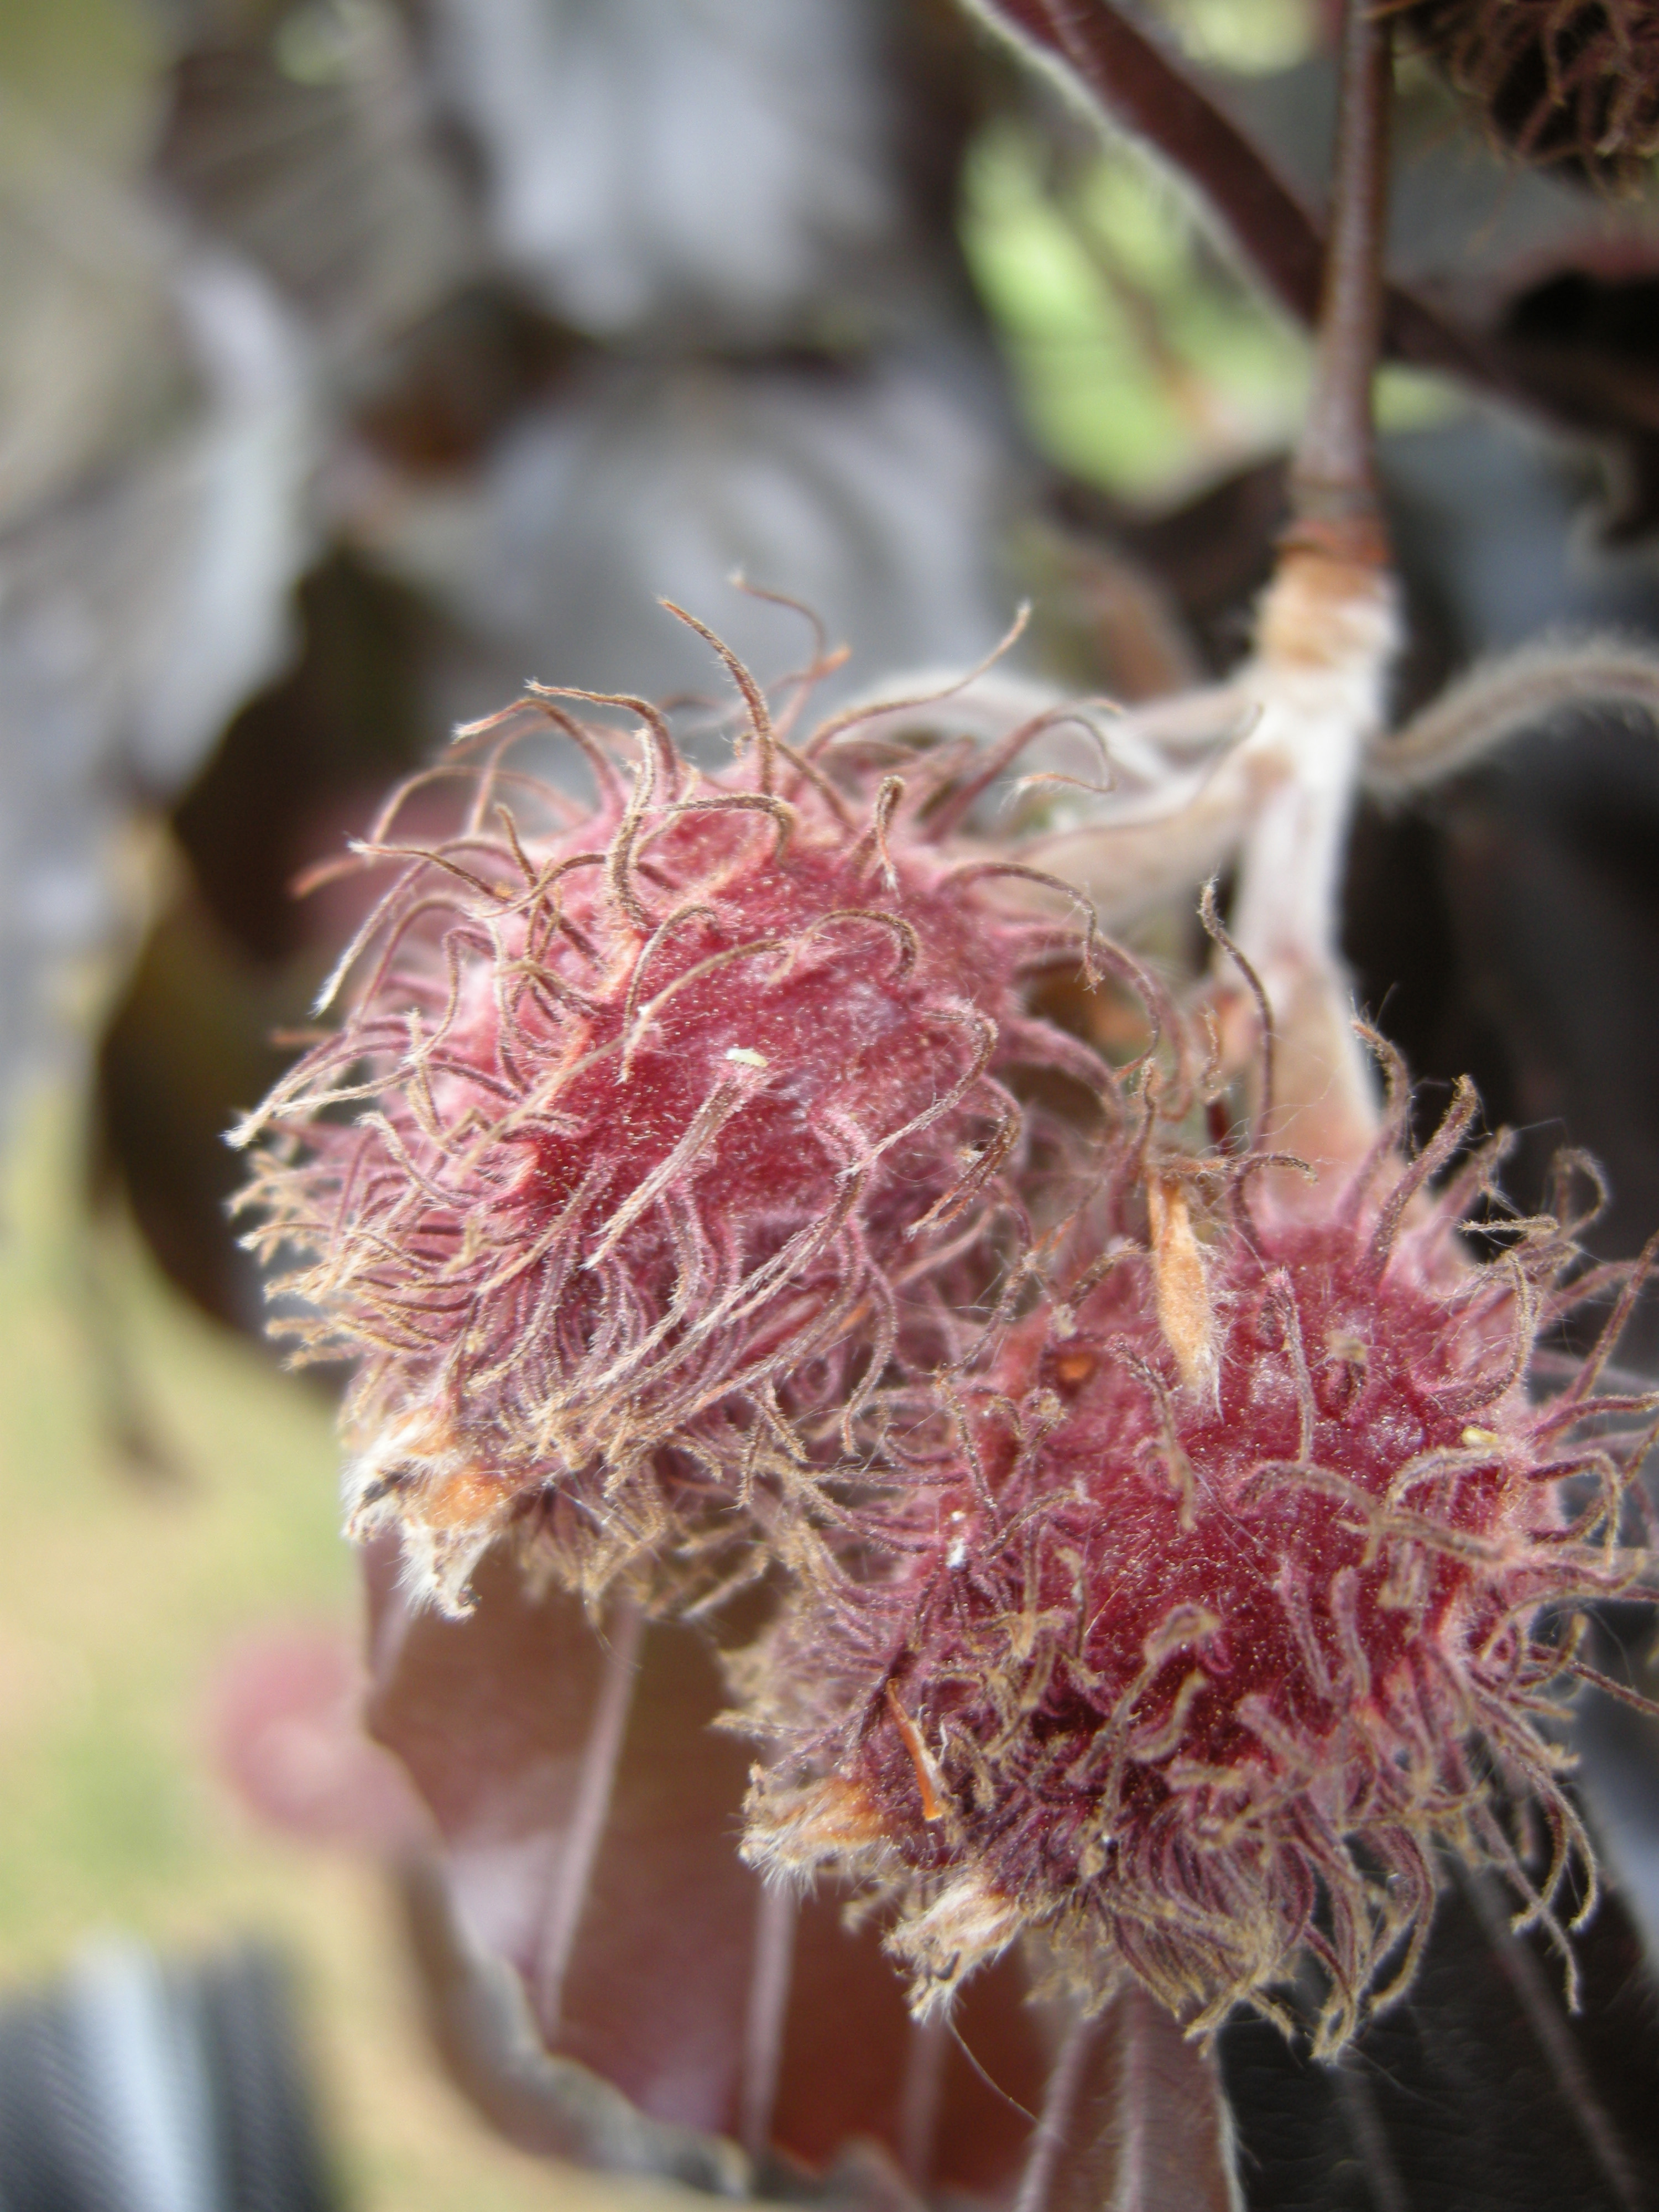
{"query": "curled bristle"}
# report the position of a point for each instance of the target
(1558, 82)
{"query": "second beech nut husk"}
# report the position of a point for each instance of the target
(1190, 1667)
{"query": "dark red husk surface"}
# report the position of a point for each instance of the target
(678, 1114)
(1190, 1678)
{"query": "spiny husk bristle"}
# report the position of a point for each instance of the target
(1571, 82)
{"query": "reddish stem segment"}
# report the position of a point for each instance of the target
(1334, 475)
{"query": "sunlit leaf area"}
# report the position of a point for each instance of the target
(1104, 283)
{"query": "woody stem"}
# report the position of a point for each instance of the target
(1333, 473)
(1327, 633)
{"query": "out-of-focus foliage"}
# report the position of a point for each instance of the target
(720, 175)
(1101, 281)
(154, 438)
(359, 358)
(120, 1601)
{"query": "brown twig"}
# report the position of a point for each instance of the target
(1142, 86)
(1334, 474)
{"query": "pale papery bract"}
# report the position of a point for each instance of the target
(1231, 1587)
(682, 1115)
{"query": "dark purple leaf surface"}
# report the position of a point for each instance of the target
(1480, 2093)
(591, 1821)
(591, 1818)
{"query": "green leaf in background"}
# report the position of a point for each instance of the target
(1145, 362)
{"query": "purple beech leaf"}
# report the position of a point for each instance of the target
(309, 148)
(657, 477)
(722, 173)
(480, 2022)
(591, 1818)
(1134, 2120)
(664, 2002)
(1479, 2089)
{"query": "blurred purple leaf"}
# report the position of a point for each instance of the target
(1479, 2089)
(590, 1819)
(725, 174)
(145, 562)
(1135, 2119)
(308, 146)
(879, 488)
